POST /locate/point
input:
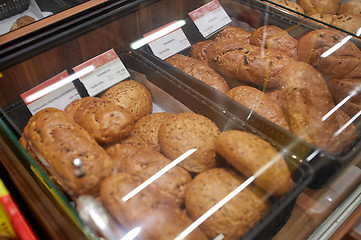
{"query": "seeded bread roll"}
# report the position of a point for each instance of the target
(237, 216)
(234, 33)
(320, 6)
(149, 209)
(290, 5)
(348, 22)
(342, 63)
(199, 50)
(199, 70)
(188, 131)
(259, 102)
(131, 95)
(104, 120)
(144, 163)
(308, 100)
(274, 38)
(351, 7)
(148, 126)
(250, 154)
(73, 106)
(253, 65)
(326, 18)
(60, 140)
(22, 22)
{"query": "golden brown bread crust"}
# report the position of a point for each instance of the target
(308, 100)
(248, 153)
(188, 131)
(351, 7)
(22, 22)
(348, 22)
(343, 63)
(73, 106)
(149, 209)
(274, 38)
(259, 102)
(234, 33)
(326, 18)
(143, 163)
(290, 5)
(104, 120)
(60, 140)
(199, 50)
(237, 216)
(255, 66)
(148, 126)
(199, 70)
(320, 6)
(131, 95)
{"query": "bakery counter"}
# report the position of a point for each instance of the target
(238, 131)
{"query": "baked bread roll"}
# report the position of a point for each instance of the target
(326, 18)
(131, 95)
(60, 140)
(143, 163)
(199, 50)
(351, 7)
(73, 106)
(199, 70)
(274, 38)
(320, 6)
(290, 5)
(253, 156)
(22, 22)
(233, 32)
(148, 126)
(237, 216)
(188, 131)
(148, 209)
(254, 66)
(308, 100)
(259, 102)
(342, 63)
(104, 120)
(348, 22)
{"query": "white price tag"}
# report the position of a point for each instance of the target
(209, 18)
(108, 71)
(169, 44)
(57, 98)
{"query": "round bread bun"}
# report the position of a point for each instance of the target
(22, 22)
(187, 131)
(73, 106)
(148, 126)
(320, 6)
(348, 22)
(237, 216)
(351, 7)
(326, 18)
(131, 95)
(290, 5)
(259, 102)
(104, 120)
(249, 154)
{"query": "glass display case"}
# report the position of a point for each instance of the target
(177, 119)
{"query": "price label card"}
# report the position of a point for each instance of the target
(168, 44)
(57, 97)
(209, 18)
(108, 70)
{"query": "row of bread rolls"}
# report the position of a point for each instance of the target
(121, 143)
(285, 80)
(346, 16)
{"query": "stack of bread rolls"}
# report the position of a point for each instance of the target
(122, 143)
(285, 80)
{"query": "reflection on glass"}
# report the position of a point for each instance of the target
(132, 234)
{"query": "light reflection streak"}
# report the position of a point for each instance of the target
(132, 234)
(226, 199)
(153, 36)
(158, 174)
(336, 46)
(347, 124)
(59, 84)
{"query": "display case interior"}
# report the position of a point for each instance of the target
(137, 146)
